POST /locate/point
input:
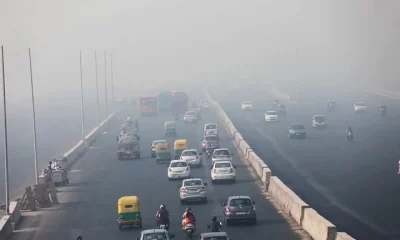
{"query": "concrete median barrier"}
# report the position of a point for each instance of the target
(344, 236)
(287, 199)
(15, 212)
(6, 229)
(317, 226)
(92, 136)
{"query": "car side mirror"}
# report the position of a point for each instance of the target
(205, 184)
(179, 186)
(234, 166)
(254, 202)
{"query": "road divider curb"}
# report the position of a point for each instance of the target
(9, 222)
(314, 224)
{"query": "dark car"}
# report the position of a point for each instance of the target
(210, 142)
(297, 130)
(239, 208)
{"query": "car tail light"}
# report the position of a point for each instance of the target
(254, 208)
(203, 189)
(169, 170)
(232, 170)
(214, 157)
(228, 210)
(183, 190)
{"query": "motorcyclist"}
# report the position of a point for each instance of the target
(215, 225)
(188, 217)
(349, 130)
(162, 216)
(176, 115)
(79, 238)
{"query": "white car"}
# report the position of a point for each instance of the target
(192, 189)
(360, 107)
(155, 234)
(247, 105)
(211, 129)
(190, 117)
(192, 157)
(318, 121)
(178, 169)
(271, 116)
(221, 154)
(204, 104)
(223, 170)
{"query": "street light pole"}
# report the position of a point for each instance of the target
(105, 80)
(34, 120)
(82, 106)
(5, 135)
(112, 83)
(97, 90)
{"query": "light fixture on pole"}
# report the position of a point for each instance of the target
(112, 83)
(97, 90)
(5, 135)
(82, 106)
(105, 80)
(34, 120)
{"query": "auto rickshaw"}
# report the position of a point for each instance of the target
(179, 146)
(170, 128)
(163, 153)
(129, 212)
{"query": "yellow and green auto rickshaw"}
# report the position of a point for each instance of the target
(179, 146)
(163, 153)
(129, 212)
(170, 128)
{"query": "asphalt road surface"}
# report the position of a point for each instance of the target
(355, 184)
(89, 203)
(58, 124)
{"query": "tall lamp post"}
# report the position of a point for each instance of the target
(105, 80)
(5, 135)
(82, 106)
(97, 90)
(34, 120)
(112, 83)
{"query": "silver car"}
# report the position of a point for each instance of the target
(192, 157)
(221, 154)
(297, 130)
(239, 208)
(155, 234)
(190, 117)
(192, 189)
(210, 142)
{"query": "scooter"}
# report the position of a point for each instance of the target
(350, 137)
(190, 229)
(209, 225)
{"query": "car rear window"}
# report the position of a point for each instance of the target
(271, 113)
(190, 113)
(240, 202)
(211, 138)
(247, 103)
(222, 165)
(221, 153)
(179, 164)
(189, 153)
(154, 236)
(297, 127)
(213, 126)
(215, 238)
(159, 142)
(319, 118)
(193, 183)
(360, 104)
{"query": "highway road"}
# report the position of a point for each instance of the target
(89, 204)
(58, 130)
(354, 185)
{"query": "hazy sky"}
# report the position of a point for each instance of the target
(168, 40)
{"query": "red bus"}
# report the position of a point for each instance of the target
(180, 102)
(148, 106)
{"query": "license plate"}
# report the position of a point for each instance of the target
(241, 213)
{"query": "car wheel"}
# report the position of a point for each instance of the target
(205, 200)
(212, 181)
(120, 226)
(254, 221)
(234, 180)
(169, 179)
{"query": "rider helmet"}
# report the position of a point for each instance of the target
(162, 206)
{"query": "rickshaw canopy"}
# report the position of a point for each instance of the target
(128, 204)
(169, 124)
(162, 148)
(180, 144)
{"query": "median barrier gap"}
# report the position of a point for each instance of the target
(344, 236)
(5, 227)
(317, 226)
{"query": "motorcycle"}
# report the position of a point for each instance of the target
(209, 225)
(190, 229)
(163, 226)
(350, 136)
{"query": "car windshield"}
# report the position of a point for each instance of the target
(297, 127)
(189, 153)
(179, 164)
(360, 104)
(154, 236)
(192, 183)
(159, 142)
(240, 202)
(271, 113)
(221, 153)
(211, 138)
(211, 126)
(215, 238)
(319, 118)
(223, 165)
(190, 113)
(247, 103)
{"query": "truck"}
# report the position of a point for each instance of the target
(148, 106)
(180, 101)
(165, 101)
(129, 146)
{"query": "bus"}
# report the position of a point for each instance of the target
(148, 106)
(180, 102)
(165, 101)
